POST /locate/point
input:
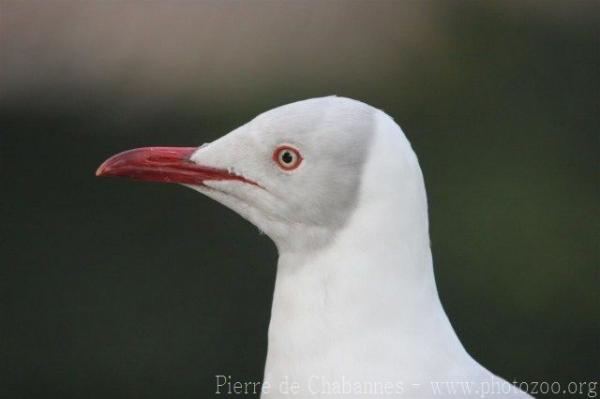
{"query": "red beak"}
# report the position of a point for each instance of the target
(163, 164)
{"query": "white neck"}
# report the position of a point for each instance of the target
(366, 306)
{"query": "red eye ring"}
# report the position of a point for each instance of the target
(287, 157)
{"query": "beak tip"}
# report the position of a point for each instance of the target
(102, 170)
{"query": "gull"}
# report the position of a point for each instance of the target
(335, 184)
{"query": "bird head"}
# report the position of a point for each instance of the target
(295, 171)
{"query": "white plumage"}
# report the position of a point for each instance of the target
(356, 311)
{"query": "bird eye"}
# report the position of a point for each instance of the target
(287, 157)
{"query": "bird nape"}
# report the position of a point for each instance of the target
(336, 185)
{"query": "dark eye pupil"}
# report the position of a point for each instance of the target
(287, 157)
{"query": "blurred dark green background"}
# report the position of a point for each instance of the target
(116, 289)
